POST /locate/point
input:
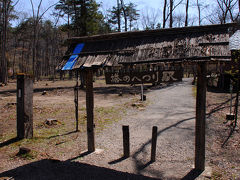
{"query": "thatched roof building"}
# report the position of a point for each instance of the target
(195, 43)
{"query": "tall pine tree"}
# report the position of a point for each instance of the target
(127, 12)
(85, 17)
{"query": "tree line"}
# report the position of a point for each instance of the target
(34, 45)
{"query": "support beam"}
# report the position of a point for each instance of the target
(90, 109)
(200, 117)
(24, 106)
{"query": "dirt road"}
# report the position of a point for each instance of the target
(172, 110)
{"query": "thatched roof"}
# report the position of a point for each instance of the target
(163, 45)
(234, 41)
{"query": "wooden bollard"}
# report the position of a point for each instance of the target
(154, 143)
(126, 143)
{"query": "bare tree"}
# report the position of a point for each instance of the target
(164, 13)
(202, 5)
(186, 17)
(168, 11)
(124, 15)
(171, 14)
(36, 19)
(226, 11)
(239, 5)
(149, 18)
(119, 16)
(179, 20)
(199, 13)
(5, 7)
(4, 74)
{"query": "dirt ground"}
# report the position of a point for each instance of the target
(224, 150)
(172, 111)
(57, 151)
(59, 141)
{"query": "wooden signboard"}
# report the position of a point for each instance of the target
(143, 77)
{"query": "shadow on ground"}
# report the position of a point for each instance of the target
(8, 142)
(54, 169)
(135, 89)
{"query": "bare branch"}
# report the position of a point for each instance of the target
(39, 6)
(32, 9)
(180, 2)
(47, 10)
(16, 3)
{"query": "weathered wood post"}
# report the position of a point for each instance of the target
(200, 117)
(76, 101)
(236, 58)
(126, 143)
(154, 143)
(90, 109)
(24, 106)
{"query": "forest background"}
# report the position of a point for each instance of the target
(32, 32)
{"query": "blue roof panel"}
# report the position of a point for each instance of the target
(73, 58)
(78, 48)
(70, 63)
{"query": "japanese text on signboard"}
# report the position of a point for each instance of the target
(143, 77)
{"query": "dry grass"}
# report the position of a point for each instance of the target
(58, 141)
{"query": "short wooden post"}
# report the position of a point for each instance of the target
(24, 106)
(200, 117)
(154, 143)
(126, 143)
(90, 108)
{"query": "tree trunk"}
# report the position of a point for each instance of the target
(199, 13)
(34, 49)
(171, 14)
(68, 22)
(14, 56)
(84, 21)
(239, 5)
(4, 74)
(119, 16)
(186, 18)
(164, 13)
(124, 14)
(23, 46)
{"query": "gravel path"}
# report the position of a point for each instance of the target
(172, 110)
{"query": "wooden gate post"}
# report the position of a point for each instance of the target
(24, 106)
(200, 117)
(90, 109)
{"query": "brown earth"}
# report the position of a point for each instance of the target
(224, 150)
(55, 149)
(59, 141)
